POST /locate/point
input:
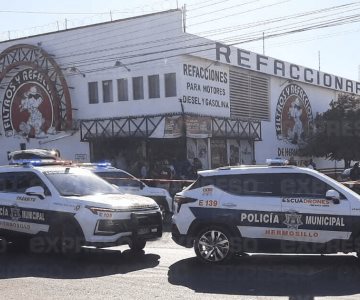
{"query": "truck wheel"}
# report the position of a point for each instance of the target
(70, 240)
(62, 238)
(214, 245)
(137, 244)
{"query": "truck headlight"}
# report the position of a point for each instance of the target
(97, 210)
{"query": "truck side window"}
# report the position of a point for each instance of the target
(7, 182)
(303, 185)
(243, 184)
(26, 180)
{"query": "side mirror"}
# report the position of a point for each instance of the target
(184, 187)
(333, 195)
(36, 191)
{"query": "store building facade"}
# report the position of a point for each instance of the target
(142, 90)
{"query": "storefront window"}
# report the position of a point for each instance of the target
(123, 153)
(154, 86)
(122, 85)
(138, 88)
(170, 85)
(107, 91)
(93, 92)
(198, 149)
(246, 152)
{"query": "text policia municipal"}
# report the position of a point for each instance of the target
(276, 67)
(269, 218)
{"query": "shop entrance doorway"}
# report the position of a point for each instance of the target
(130, 154)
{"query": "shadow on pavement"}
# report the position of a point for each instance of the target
(295, 276)
(91, 263)
(166, 227)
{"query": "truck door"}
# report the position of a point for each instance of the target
(258, 206)
(308, 215)
(21, 212)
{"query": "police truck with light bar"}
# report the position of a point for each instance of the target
(274, 208)
(56, 206)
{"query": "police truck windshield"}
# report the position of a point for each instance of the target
(80, 183)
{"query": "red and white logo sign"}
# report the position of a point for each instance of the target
(293, 117)
(27, 108)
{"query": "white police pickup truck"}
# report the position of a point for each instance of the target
(61, 207)
(279, 209)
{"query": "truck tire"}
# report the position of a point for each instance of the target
(70, 240)
(137, 245)
(213, 244)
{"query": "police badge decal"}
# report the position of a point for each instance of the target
(293, 220)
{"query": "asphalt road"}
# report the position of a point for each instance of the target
(167, 271)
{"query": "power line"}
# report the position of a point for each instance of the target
(291, 25)
(145, 22)
(282, 19)
(200, 3)
(53, 13)
(71, 13)
(238, 38)
(210, 46)
(231, 29)
(133, 32)
(216, 3)
(238, 41)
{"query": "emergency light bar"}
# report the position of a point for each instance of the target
(277, 162)
(33, 154)
(39, 162)
(99, 164)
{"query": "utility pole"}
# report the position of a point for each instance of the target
(111, 16)
(263, 43)
(319, 58)
(184, 17)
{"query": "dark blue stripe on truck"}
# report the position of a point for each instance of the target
(288, 220)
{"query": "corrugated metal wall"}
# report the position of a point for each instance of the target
(249, 96)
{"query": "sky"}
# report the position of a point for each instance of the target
(283, 29)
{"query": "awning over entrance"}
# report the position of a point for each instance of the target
(170, 126)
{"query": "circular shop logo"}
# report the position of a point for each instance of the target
(27, 108)
(293, 118)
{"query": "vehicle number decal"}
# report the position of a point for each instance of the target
(210, 203)
(105, 214)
